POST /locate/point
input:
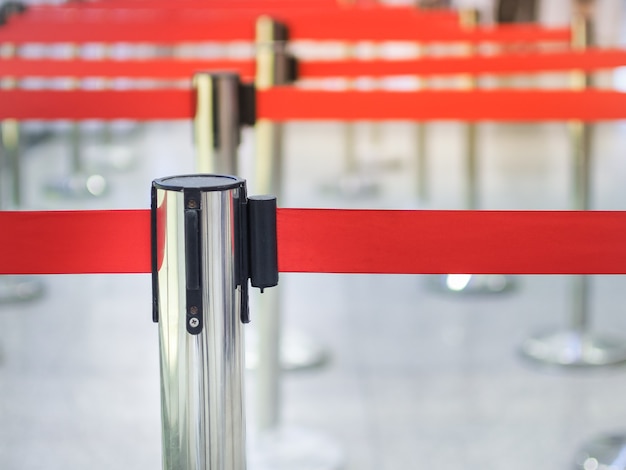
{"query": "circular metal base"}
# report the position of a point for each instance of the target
(473, 283)
(604, 453)
(297, 351)
(573, 348)
(78, 186)
(20, 289)
(288, 448)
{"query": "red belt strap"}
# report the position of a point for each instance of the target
(184, 69)
(338, 241)
(287, 104)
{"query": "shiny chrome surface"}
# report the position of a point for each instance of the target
(201, 375)
(606, 452)
(575, 348)
(216, 142)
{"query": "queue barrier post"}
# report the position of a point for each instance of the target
(222, 106)
(13, 288)
(577, 345)
(274, 445)
(472, 283)
(79, 182)
(208, 240)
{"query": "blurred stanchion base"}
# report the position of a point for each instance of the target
(573, 348)
(287, 448)
(78, 186)
(353, 185)
(297, 351)
(472, 284)
(606, 452)
(114, 157)
(20, 289)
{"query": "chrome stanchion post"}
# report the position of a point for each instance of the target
(472, 283)
(208, 240)
(352, 182)
(576, 345)
(275, 68)
(223, 105)
(275, 446)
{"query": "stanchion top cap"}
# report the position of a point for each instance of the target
(199, 182)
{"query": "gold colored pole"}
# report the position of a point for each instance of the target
(423, 189)
(10, 135)
(268, 181)
(202, 123)
(580, 135)
(469, 20)
(75, 132)
(352, 164)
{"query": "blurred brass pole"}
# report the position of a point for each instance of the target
(75, 132)
(202, 123)
(267, 133)
(10, 134)
(580, 136)
(469, 20)
(268, 181)
(420, 145)
(107, 128)
(352, 164)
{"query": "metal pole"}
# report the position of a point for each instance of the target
(268, 173)
(577, 345)
(10, 130)
(420, 145)
(207, 242)
(217, 122)
(277, 446)
(469, 20)
(580, 133)
(77, 183)
(472, 283)
(14, 288)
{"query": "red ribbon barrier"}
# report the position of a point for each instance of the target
(78, 26)
(289, 104)
(588, 60)
(79, 105)
(339, 241)
(149, 68)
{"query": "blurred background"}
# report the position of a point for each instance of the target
(408, 371)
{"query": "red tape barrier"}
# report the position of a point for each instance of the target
(339, 241)
(591, 59)
(150, 68)
(77, 26)
(289, 104)
(179, 69)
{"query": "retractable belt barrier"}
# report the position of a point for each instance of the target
(78, 26)
(339, 241)
(286, 103)
(160, 68)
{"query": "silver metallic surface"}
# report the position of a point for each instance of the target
(201, 374)
(606, 452)
(216, 142)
